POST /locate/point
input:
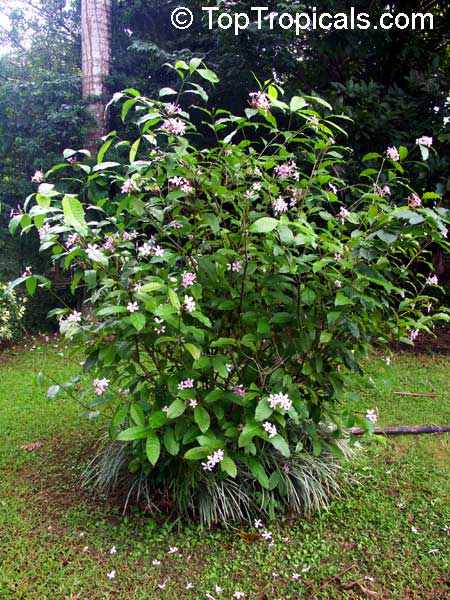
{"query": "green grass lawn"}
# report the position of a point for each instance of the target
(386, 536)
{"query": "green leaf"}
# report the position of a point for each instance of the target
(202, 418)
(138, 320)
(134, 149)
(105, 165)
(176, 409)
(197, 453)
(31, 283)
(263, 225)
(153, 447)
(174, 300)
(257, 470)
(342, 299)
(137, 414)
(208, 75)
(297, 103)
(248, 433)
(263, 326)
(227, 465)
(74, 214)
(170, 442)
(157, 419)
(133, 433)
(112, 310)
(263, 410)
(281, 445)
(167, 91)
(151, 286)
(193, 350)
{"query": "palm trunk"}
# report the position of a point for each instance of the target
(95, 62)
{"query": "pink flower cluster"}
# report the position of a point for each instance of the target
(175, 126)
(260, 101)
(270, 429)
(287, 169)
(161, 328)
(186, 384)
(432, 280)
(279, 206)
(371, 415)
(414, 201)
(182, 183)
(188, 279)
(189, 303)
(38, 177)
(235, 267)
(100, 385)
(281, 400)
(392, 153)
(213, 460)
(425, 140)
(173, 108)
(72, 240)
(129, 186)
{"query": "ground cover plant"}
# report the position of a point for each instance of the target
(231, 287)
(391, 520)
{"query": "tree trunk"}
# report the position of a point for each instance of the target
(95, 62)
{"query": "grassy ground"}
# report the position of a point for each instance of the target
(385, 537)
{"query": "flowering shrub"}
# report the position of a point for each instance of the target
(229, 290)
(12, 310)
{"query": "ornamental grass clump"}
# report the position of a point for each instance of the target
(231, 280)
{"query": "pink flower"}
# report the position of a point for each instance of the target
(414, 201)
(172, 550)
(333, 188)
(239, 390)
(189, 303)
(337, 256)
(213, 460)
(132, 307)
(343, 214)
(279, 206)
(257, 524)
(129, 186)
(392, 153)
(425, 140)
(193, 403)
(413, 335)
(270, 429)
(235, 267)
(186, 384)
(338, 283)
(266, 535)
(165, 409)
(42, 231)
(432, 280)
(173, 108)
(189, 585)
(371, 415)
(286, 169)
(281, 400)
(145, 249)
(175, 126)
(113, 550)
(27, 272)
(182, 183)
(74, 317)
(188, 279)
(158, 251)
(156, 562)
(238, 595)
(100, 385)
(111, 575)
(72, 240)
(260, 101)
(38, 177)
